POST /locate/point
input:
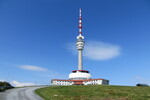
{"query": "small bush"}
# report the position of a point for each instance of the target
(4, 86)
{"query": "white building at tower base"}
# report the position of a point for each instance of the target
(80, 77)
(80, 82)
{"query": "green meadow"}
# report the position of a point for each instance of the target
(94, 92)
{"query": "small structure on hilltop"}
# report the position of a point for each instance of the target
(142, 85)
(80, 76)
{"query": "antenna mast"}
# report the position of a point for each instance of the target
(80, 21)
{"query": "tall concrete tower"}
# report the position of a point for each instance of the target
(80, 76)
(80, 43)
(80, 73)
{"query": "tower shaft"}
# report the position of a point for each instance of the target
(80, 60)
(80, 47)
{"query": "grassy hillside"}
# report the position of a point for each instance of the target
(97, 92)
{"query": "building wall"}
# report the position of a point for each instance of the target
(105, 82)
(62, 83)
(91, 82)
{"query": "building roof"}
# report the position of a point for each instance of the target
(80, 71)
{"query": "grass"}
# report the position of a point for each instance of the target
(94, 92)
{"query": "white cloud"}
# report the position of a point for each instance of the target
(19, 84)
(97, 50)
(101, 51)
(2, 80)
(33, 68)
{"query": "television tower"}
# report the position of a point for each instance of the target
(80, 76)
(80, 42)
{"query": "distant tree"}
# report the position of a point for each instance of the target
(144, 85)
(5, 85)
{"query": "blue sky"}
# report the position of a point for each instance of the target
(37, 39)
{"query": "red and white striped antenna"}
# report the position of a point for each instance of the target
(80, 21)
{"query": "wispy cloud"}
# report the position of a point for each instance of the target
(97, 50)
(32, 67)
(72, 48)
(20, 84)
(101, 51)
